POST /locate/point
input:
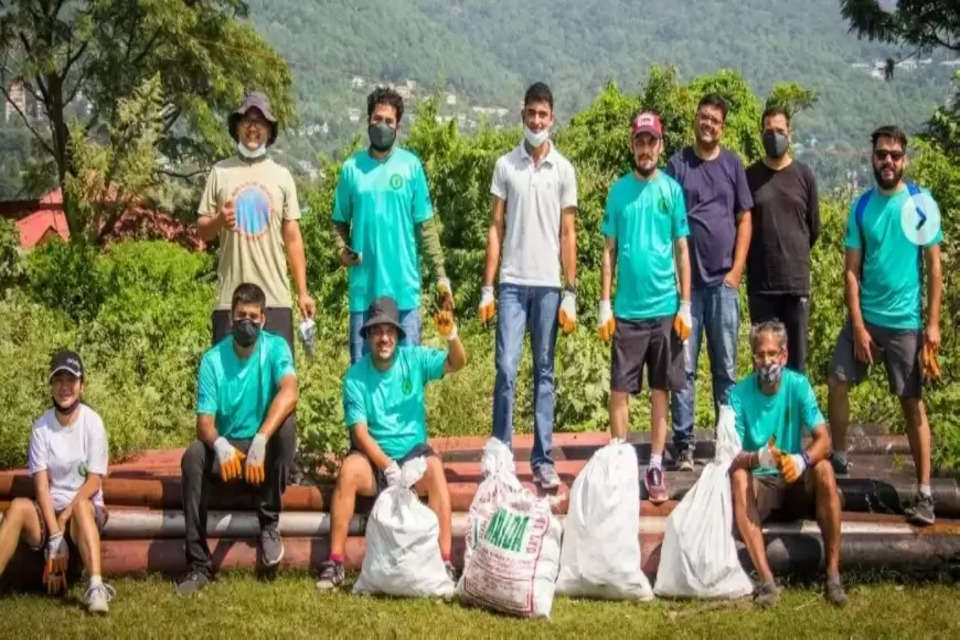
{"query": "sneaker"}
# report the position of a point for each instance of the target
(331, 576)
(451, 570)
(655, 485)
(685, 460)
(271, 546)
(921, 511)
(98, 597)
(766, 594)
(546, 476)
(192, 582)
(833, 592)
(839, 461)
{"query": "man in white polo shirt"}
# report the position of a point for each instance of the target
(534, 193)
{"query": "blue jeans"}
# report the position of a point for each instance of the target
(522, 308)
(716, 312)
(409, 320)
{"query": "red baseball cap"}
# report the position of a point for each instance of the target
(646, 122)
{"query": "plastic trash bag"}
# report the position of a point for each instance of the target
(513, 544)
(698, 558)
(600, 557)
(402, 557)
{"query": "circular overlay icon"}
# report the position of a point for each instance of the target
(253, 211)
(920, 219)
(396, 181)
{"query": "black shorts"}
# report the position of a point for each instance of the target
(900, 350)
(380, 479)
(778, 501)
(651, 343)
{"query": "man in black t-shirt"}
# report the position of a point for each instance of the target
(786, 221)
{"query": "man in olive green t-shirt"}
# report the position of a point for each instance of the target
(250, 205)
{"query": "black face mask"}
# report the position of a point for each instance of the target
(245, 332)
(66, 409)
(382, 137)
(775, 144)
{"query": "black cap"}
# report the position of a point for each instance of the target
(260, 102)
(383, 310)
(67, 361)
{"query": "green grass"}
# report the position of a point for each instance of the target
(239, 606)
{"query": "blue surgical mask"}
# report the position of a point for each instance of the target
(251, 155)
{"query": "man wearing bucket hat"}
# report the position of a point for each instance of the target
(645, 240)
(250, 205)
(383, 403)
(383, 219)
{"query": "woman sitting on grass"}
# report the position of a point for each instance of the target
(67, 459)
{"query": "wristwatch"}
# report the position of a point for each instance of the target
(570, 287)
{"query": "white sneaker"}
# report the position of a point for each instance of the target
(98, 596)
(546, 476)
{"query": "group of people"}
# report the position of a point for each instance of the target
(677, 242)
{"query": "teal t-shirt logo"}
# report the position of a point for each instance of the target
(396, 181)
(407, 386)
(82, 469)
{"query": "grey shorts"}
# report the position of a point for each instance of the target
(782, 502)
(898, 348)
(646, 343)
(380, 479)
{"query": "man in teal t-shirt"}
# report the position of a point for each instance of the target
(246, 388)
(773, 409)
(645, 231)
(891, 231)
(381, 210)
(383, 404)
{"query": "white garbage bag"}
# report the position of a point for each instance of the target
(402, 557)
(513, 543)
(698, 558)
(600, 557)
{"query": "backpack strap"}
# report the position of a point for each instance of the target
(858, 218)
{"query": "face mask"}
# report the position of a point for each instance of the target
(251, 155)
(775, 144)
(245, 332)
(770, 374)
(66, 409)
(382, 137)
(536, 138)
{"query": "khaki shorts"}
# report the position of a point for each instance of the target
(782, 502)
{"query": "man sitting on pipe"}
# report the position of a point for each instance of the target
(246, 388)
(774, 475)
(384, 409)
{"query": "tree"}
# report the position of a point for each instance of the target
(926, 24)
(78, 58)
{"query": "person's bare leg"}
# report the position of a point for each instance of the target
(356, 477)
(438, 498)
(748, 521)
(20, 522)
(658, 420)
(838, 410)
(83, 532)
(619, 407)
(918, 434)
(828, 513)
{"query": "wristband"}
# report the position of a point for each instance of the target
(806, 459)
(453, 333)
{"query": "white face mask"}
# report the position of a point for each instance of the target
(536, 138)
(251, 155)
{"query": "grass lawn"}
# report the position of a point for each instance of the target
(241, 607)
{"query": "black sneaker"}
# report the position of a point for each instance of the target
(271, 546)
(921, 511)
(685, 460)
(839, 461)
(331, 576)
(192, 582)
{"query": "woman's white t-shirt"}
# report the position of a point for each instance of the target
(68, 453)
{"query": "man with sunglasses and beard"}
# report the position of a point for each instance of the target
(893, 235)
(645, 238)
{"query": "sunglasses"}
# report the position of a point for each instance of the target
(882, 154)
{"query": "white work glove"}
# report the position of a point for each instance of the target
(392, 474)
(606, 325)
(766, 457)
(57, 557)
(487, 306)
(567, 316)
(229, 459)
(256, 454)
(683, 321)
(792, 467)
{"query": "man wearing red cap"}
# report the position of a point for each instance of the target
(250, 205)
(645, 231)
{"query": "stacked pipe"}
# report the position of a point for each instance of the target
(146, 528)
